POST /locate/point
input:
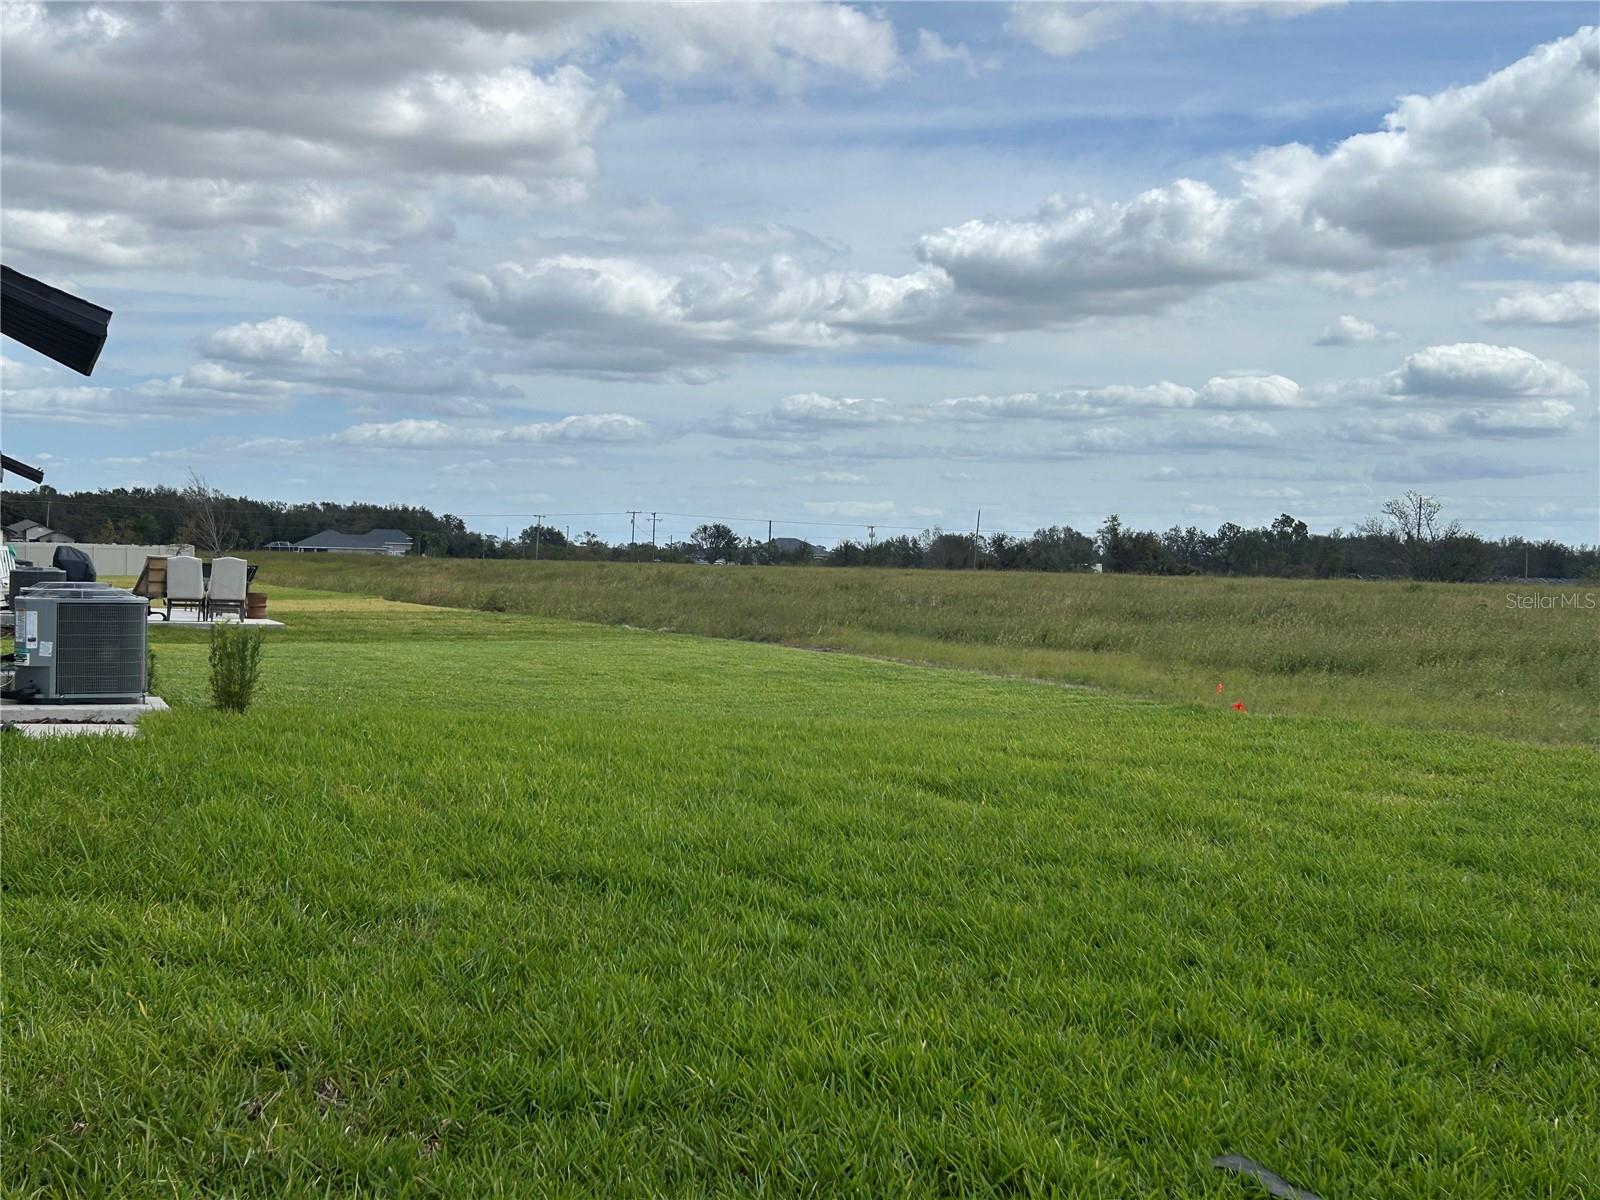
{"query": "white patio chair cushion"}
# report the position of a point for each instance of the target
(184, 578)
(228, 580)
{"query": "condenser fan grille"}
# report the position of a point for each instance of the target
(100, 648)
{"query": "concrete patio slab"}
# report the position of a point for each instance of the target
(189, 619)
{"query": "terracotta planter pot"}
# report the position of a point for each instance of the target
(255, 605)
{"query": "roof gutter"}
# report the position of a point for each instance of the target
(57, 324)
(18, 467)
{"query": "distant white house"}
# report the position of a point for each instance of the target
(376, 541)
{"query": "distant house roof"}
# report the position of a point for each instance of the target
(789, 545)
(376, 539)
(29, 530)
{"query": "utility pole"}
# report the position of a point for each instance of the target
(975, 529)
(769, 531)
(872, 536)
(538, 528)
(652, 537)
(633, 540)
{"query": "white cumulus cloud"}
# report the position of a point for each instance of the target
(285, 350)
(1474, 369)
(1512, 393)
(1575, 303)
(1507, 163)
(1351, 331)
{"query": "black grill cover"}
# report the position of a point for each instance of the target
(78, 565)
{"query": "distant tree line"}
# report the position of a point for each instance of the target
(217, 523)
(1408, 538)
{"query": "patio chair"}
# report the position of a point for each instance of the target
(186, 587)
(226, 592)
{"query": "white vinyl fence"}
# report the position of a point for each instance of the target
(109, 558)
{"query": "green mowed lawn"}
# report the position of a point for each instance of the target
(476, 904)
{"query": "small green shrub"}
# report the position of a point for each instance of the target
(149, 670)
(235, 665)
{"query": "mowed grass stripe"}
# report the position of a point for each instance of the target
(530, 908)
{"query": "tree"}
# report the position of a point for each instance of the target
(716, 542)
(542, 541)
(1124, 549)
(1414, 519)
(1004, 552)
(903, 550)
(1288, 544)
(1187, 549)
(1327, 554)
(206, 521)
(948, 551)
(1415, 516)
(145, 528)
(1060, 548)
(848, 553)
(1111, 541)
(1290, 534)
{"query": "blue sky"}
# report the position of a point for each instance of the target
(828, 265)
